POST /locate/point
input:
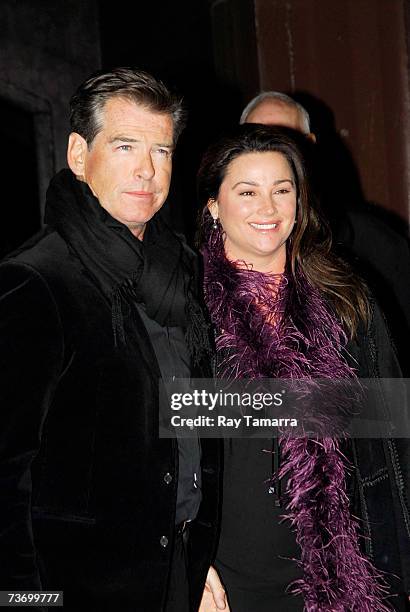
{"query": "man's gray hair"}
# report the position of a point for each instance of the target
(277, 95)
(140, 87)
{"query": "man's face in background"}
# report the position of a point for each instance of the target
(276, 112)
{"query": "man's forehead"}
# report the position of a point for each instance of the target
(275, 112)
(119, 112)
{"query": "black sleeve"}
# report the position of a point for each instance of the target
(397, 449)
(386, 355)
(31, 350)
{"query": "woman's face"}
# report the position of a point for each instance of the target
(256, 207)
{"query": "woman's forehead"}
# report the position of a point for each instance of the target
(259, 163)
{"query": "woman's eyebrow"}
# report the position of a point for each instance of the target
(255, 184)
(245, 183)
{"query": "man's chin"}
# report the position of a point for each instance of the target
(133, 225)
(135, 221)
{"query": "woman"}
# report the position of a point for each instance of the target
(283, 306)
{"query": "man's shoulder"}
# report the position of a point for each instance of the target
(44, 250)
(42, 261)
(184, 243)
(46, 244)
(371, 230)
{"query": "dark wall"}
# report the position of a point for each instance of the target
(46, 49)
(20, 214)
(195, 46)
(351, 58)
(200, 48)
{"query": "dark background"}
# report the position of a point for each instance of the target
(346, 60)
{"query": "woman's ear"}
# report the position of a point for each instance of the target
(213, 208)
(76, 154)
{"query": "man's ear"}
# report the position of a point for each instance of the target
(213, 208)
(311, 137)
(76, 154)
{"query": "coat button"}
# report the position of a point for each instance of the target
(208, 470)
(163, 541)
(168, 478)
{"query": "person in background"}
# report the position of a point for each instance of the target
(284, 306)
(94, 312)
(276, 108)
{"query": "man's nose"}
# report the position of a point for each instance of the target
(144, 167)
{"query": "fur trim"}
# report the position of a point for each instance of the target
(278, 326)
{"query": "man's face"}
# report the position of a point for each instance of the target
(128, 165)
(276, 112)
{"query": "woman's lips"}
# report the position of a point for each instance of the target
(265, 226)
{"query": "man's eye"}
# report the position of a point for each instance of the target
(163, 152)
(125, 147)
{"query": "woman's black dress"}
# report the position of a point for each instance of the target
(255, 548)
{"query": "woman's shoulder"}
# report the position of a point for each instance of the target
(373, 345)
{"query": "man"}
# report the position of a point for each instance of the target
(275, 108)
(379, 253)
(93, 312)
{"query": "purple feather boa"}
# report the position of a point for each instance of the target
(305, 341)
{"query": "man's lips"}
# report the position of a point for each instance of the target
(140, 194)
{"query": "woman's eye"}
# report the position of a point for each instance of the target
(246, 193)
(284, 190)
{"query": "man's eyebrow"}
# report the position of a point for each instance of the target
(255, 184)
(120, 138)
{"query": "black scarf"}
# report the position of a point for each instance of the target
(156, 272)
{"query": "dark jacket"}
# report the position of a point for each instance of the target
(378, 483)
(85, 504)
(379, 486)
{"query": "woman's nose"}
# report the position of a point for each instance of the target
(267, 205)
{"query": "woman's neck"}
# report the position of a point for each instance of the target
(252, 267)
(263, 265)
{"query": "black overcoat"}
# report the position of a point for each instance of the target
(87, 502)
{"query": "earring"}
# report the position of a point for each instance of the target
(215, 223)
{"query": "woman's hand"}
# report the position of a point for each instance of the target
(214, 597)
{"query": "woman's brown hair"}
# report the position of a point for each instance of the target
(309, 246)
